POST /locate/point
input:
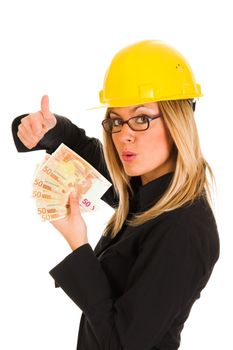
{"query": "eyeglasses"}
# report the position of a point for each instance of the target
(139, 123)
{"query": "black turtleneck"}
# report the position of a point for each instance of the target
(147, 195)
(143, 198)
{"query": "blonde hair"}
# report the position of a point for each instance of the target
(190, 175)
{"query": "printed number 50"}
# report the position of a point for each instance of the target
(87, 203)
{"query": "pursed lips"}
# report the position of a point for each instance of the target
(128, 155)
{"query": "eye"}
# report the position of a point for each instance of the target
(141, 119)
(116, 122)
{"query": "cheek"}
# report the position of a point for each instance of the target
(159, 141)
(115, 143)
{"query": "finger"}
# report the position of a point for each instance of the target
(31, 128)
(74, 204)
(25, 125)
(36, 125)
(45, 107)
(29, 142)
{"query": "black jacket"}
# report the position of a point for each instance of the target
(135, 290)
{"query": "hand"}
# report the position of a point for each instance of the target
(34, 126)
(73, 227)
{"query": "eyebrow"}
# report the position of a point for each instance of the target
(133, 110)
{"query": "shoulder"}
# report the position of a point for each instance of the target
(195, 224)
(191, 228)
(197, 214)
(197, 219)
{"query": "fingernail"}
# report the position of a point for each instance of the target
(74, 194)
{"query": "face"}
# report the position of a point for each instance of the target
(150, 149)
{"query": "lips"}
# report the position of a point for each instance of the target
(128, 156)
(128, 153)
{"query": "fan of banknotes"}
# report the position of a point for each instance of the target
(60, 173)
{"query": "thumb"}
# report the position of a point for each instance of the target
(74, 204)
(45, 107)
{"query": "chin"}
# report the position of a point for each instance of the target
(133, 172)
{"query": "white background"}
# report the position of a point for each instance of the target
(62, 48)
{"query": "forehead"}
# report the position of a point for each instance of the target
(152, 106)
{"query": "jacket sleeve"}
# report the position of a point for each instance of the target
(164, 279)
(65, 131)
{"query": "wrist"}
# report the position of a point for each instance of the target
(75, 244)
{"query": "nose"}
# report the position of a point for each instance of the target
(126, 134)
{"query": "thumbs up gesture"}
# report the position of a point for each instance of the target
(34, 126)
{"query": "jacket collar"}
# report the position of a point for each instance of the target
(145, 196)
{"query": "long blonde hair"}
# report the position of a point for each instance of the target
(190, 176)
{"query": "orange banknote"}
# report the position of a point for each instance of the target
(59, 174)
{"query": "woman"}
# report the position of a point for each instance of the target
(137, 287)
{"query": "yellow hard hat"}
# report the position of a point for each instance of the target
(148, 71)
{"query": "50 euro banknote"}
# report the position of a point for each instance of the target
(59, 174)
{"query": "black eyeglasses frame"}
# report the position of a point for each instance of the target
(149, 119)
